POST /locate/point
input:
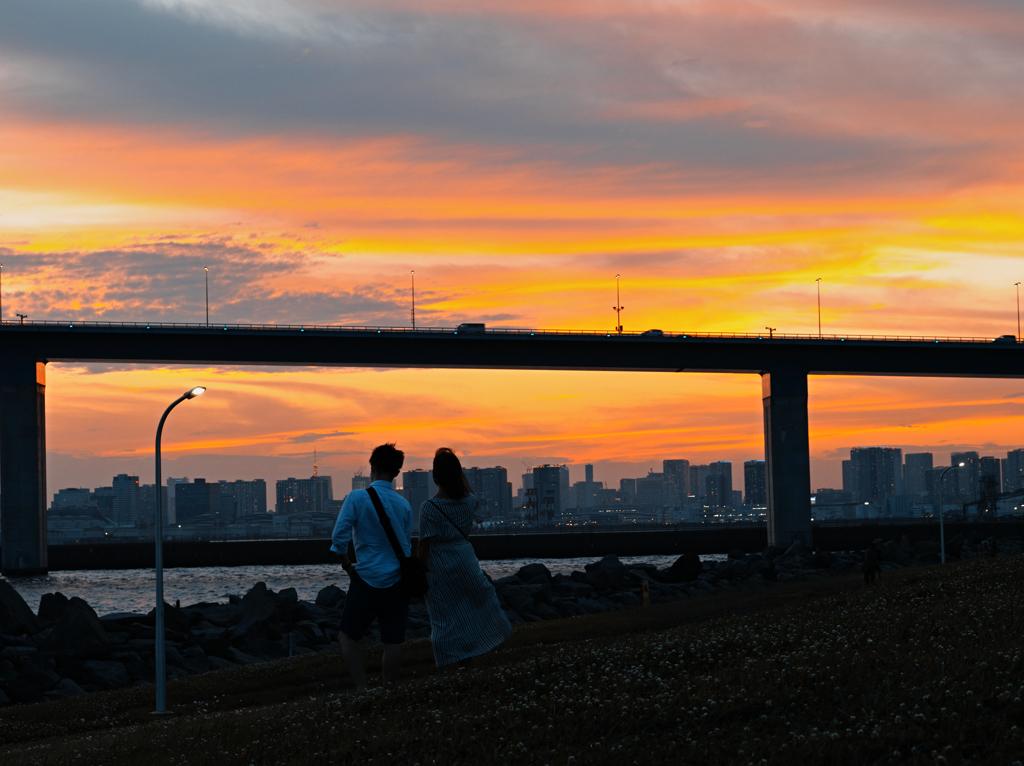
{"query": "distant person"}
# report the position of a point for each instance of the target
(466, 619)
(872, 565)
(375, 590)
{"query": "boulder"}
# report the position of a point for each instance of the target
(21, 690)
(174, 618)
(52, 606)
(796, 550)
(79, 630)
(928, 558)
(518, 597)
(954, 545)
(607, 574)
(7, 670)
(38, 674)
(924, 546)
(686, 568)
(104, 674)
(220, 615)
(252, 638)
(15, 615)
(534, 574)
(905, 544)
(572, 589)
(261, 603)
(331, 597)
(736, 553)
(640, 575)
(823, 560)
(65, 688)
(734, 570)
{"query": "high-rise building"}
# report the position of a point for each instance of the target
(755, 483)
(965, 479)
(126, 500)
(718, 484)
(916, 466)
(147, 503)
(360, 482)
(417, 486)
(171, 508)
(552, 485)
(989, 480)
(1013, 470)
(492, 489)
(310, 495)
(243, 498)
(73, 501)
(650, 490)
(677, 474)
(200, 498)
(627, 491)
(849, 478)
(877, 473)
(697, 484)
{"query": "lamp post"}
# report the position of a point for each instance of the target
(770, 330)
(1, 293)
(413, 275)
(942, 529)
(618, 307)
(161, 659)
(1016, 284)
(818, 283)
(207, 270)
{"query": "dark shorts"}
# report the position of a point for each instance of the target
(389, 606)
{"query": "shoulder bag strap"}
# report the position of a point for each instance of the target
(385, 522)
(449, 519)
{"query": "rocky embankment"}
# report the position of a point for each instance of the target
(65, 648)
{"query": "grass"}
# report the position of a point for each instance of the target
(925, 668)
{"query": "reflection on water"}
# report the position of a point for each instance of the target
(131, 590)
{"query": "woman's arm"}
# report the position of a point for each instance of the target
(423, 550)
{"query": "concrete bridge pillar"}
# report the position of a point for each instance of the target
(22, 467)
(787, 456)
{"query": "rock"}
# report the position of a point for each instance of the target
(510, 580)
(21, 690)
(517, 597)
(52, 606)
(331, 597)
(905, 544)
(923, 546)
(79, 630)
(572, 589)
(7, 670)
(174, 619)
(534, 574)
(37, 674)
(640, 575)
(607, 574)
(251, 638)
(796, 550)
(736, 553)
(64, 688)
(686, 568)
(823, 560)
(290, 597)
(15, 615)
(220, 615)
(261, 603)
(734, 570)
(954, 545)
(928, 558)
(591, 606)
(4, 699)
(241, 658)
(220, 663)
(104, 674)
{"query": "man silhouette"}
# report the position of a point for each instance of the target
(375, 591)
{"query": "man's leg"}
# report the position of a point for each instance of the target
(353, 654)
(390, 662)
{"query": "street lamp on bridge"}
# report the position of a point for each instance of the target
(942, 529)
(161, 657)
(818, 283)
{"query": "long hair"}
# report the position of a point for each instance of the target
(448, 474)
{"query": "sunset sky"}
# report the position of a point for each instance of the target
(720, 156)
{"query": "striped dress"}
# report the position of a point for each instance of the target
(465, 617)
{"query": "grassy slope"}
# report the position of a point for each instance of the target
(925, 668)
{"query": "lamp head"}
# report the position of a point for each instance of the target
(193, 393)
(960, 465)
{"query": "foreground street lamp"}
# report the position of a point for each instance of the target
(942, 529)
(161, 658)
(1015, 284)
(207, 270)
(618, 307)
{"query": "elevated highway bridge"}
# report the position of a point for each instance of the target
(783, 362)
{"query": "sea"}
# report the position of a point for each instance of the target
(116, 591)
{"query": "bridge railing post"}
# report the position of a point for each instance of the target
(787, 456)
(22, 467)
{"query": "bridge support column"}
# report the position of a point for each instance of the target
(787, 457)
(22, 467)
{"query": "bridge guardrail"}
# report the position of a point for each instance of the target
(499, 331)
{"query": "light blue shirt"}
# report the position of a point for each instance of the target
(376, 562)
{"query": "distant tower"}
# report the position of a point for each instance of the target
(314, 461)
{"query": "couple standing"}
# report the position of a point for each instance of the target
(465, 617)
